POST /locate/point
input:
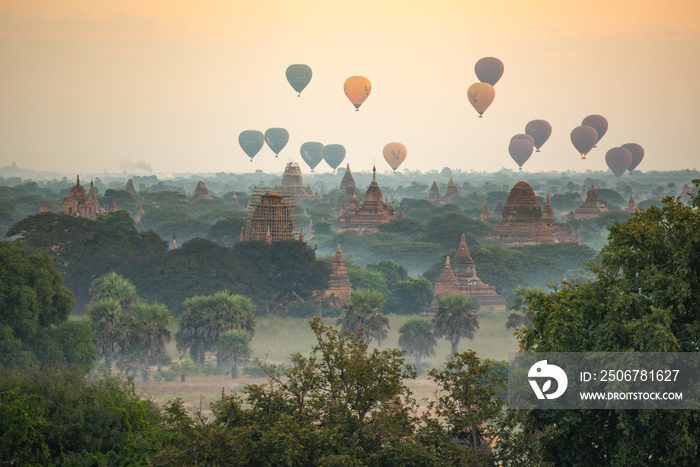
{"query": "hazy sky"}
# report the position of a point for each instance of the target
(88, 86)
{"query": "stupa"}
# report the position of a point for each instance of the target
(631, 205)
(139, 214)
(465, 271)
(522, 219)
(78, 204)
(292, 182)
(200, 193)
(339, 286)
(365, 216)
(129, 188)
(591, 207)
(451, 190)
(446, 283)
(43, 206)
(484, 214)
(434, 196)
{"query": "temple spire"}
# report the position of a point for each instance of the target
(242, 237)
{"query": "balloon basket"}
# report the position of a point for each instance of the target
(537, 150)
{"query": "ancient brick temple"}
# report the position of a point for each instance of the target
(591, 207)
(292, 181)
(434, 195)
(450, 191)
(365, 216)
(43, 206)
(139, 213)
(78, 203)
(200, 193)
(272, 216)
(523, 222)
(129, 188)
(464, 269)
(446, 283)
(339, 287)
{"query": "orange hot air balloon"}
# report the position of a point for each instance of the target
(357, 88)
(480, 96)
(394, 154)
(584, 138)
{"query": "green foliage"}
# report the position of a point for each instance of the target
(120, 218)
(456, 318)
(34, 311)
(410, 296)
(361, 278)
(207, 317)
(391, 271)
(50, 418)
(233, 347)
(226, 232)
(361, 315)
(644, 298)
(409, 228)
(417, 339)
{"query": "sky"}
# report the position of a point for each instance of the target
(166, 86)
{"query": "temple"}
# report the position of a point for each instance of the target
(292, 181)
(465, 270)
(129, 188)
(631, 205)
(365, 216)
(200, 193)
(484, 218)
(339, 287)
(591, 207)
(139, 214)
(434, 195)
(43, 206)
(523, 222)
(451, 191)
(446, 283)
(78, 203)
(272, 216)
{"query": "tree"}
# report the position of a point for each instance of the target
(410, 296)
(468, 403)
(110, 330)
(33, 304)
(455, 318)
(113, 286)
(417, 339)
(519, 306)
(645, 298)
(361, 315)
(120, 218)
(233, 348)
(206, 317)
(148, 328)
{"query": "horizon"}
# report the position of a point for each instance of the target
(167, 88)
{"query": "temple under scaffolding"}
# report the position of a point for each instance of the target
(272, 216)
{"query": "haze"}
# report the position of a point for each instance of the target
(168, 86)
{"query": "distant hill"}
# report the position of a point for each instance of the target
(10, 171)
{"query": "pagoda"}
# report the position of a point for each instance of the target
(591, 207)
(365, 216)
(434, 196)
(292, 181)
(272, 216)
(631, 205)
(465, 271)
(484, 214)
(129, 188)
(446, 283)
(78, 203)
(43, 206)
(522, 219)
(139, 214)
(450, 191)
(200, 193)
(339, 286)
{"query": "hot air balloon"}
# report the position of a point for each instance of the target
(618, 159)
(489, 70)
(520, 150)
(298, 76)
(584, 138)
(357, 88)
(251, 141)
(312, 153)
(276, 139)
(334, 154)
(480, 96)
(599, 123)
(540, 130)
(637, 154)
(523, 136)
(394, 154)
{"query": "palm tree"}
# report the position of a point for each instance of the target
(233, 347)
(416, 338)
(205, 318)
(361, 315)
(110, 329)
(149, 333)
(520, 307)
(456, 318)
(114, 286)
